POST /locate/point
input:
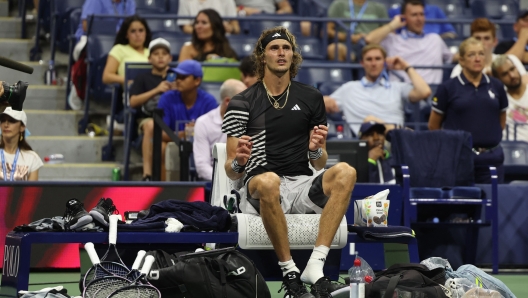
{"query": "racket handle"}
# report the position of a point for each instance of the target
(90, 249)
(149, 260)
(138, 260)
(112, 230)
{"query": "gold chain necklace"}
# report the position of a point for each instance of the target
(275, 104)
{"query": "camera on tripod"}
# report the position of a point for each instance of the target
(14, 94)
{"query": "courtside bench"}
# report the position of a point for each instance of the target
(16, 264)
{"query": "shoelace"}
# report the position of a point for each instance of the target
(322, 287)
(69, 213)
(300, 290)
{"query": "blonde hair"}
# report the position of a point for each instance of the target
(373, 46)
(259, 52)
(498, 62)
(463, 46)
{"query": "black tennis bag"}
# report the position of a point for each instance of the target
(225, 273)
(412, 280)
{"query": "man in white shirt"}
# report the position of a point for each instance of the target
(374, 95)
(517, 112)
(208, 130)
(412, 44)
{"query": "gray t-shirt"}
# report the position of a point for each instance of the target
(373, 11)
(383, 101)
(267, 6)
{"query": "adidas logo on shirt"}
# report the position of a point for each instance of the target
(296, 108)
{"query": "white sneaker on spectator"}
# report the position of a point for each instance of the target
(74, 101)
(117, 126)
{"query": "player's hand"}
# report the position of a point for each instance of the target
(396, 63)
(243, 150)
(164, 86)
(318, 138)
(523, 34)
(376, 153)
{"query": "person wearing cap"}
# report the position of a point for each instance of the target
(380, 170)
(184, 103)
(276, 143)
(374, 95)
(476, 103)
(19, 161)
(518, 46)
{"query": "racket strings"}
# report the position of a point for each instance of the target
(136, 292)
(103, 287)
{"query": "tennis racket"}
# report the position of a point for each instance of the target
(140, 287)
(134, 272)
(111, 268)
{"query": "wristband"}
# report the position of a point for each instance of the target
(236, 167)
(315, 154)
(407, 68)
(372, 161)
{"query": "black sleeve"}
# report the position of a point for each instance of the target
(319, 112)
(138, 86)
(503, 47)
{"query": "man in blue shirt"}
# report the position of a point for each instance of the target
(476, 103)
(445, 30)
(380, 170)
(184, 104)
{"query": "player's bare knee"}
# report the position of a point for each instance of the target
(345, 175)
(268, 186)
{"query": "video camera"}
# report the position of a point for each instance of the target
(14, 94)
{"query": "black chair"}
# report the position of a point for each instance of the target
(515, 160)
(312, 48)
(317, 75)
(242, 45)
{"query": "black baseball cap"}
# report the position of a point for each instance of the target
(522, 14)
(371, 126)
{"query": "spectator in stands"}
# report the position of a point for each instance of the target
(250, 7)
(208, 39)
(374, 94)
(484, 30)
(412, 44)
(131, 45)
(184, 103)
(519, 45)
(208, 130)
(517, 114)
(445, 30)
(148, 87)
(356, 9)
(102, 7)
(380, 169)
(225, 8)
(19, 161)
(248, 70)
(476, 103)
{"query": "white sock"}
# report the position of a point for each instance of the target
(314, 268)
(288, 266)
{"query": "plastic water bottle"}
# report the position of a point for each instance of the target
(189, 133)
(339, 130)
(357, 282)
(54, 158)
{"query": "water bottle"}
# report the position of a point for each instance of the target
(189, 132)
(54, 158)
(357, 282)
(339, 130)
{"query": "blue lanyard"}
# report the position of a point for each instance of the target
(13, 166)
(406, 34)
(384, 75)
(353, 25)
(116, 11)
(525, 47)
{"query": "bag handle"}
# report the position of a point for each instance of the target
(223, 269)
(391, 287)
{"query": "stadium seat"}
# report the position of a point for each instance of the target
(515, 160)
(256, 27)
(327, 88)
(60, 23)
(317, 75)
(312, 48)
(494, 9)
(173, 6)
(164, 25)
(243, 45)
(151, 6)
